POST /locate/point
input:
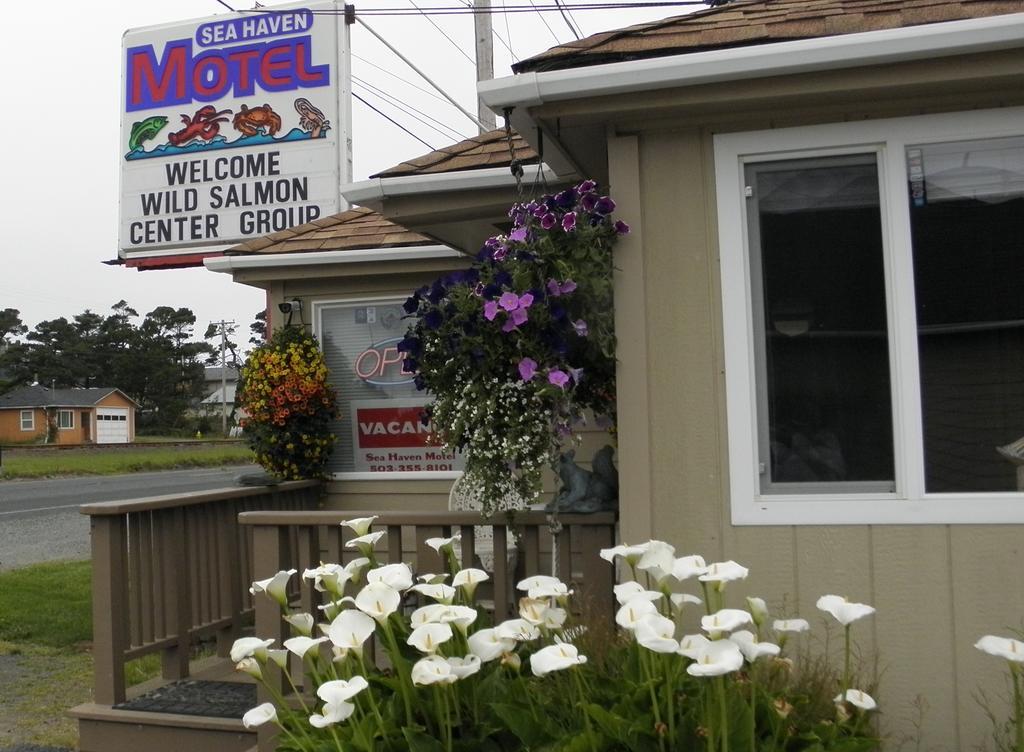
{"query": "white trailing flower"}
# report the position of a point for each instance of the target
(1002, 647)
(561, 655)
(429, 637)
(433, 670)
(442, 593)
(791, 625)
(843, 610)
(858, 699)
(692, 645)
(351, 629)
(275, 586)
(628, 615)
(656, 633)
(302, 622)
(397, 576)
(259, 715)
(247, 647)
(463, 667)
(751, 647)
(487, 645)
(716, 658)
(631, 554)
(360, 525)
(722, 572)
(725, 620)
(378, 600)
(517, 629)
(301, 645)
(627, 591)
(686, 567)
(438, 543)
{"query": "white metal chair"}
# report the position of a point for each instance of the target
(462, 499)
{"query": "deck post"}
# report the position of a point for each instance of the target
(270, 547)
(174, 659)
(109, 604)
(598, 574)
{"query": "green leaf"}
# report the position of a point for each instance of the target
(421, 742)
(533, 732)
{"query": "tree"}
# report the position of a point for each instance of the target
(11, 327)
(258, 329)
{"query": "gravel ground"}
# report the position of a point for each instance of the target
(36, 689)
(44, 536)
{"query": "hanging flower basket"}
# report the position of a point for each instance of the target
(289, 405)
(518, 347)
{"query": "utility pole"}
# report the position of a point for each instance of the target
(223, 325)
(484, 59)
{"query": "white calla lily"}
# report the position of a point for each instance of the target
(758, 610)
(791, 625)
(250, 666)
(247, 647)
(279, 657)
(469, 578)
(751, 647)
(692, 645)
(329, 578)
(487, 645)
(351, 629)
(858, 699)
(532, 609)
(354, 569)
(628, 615)
(554, 617)
(658, 560)
(379, 600)
(656, 633)
(275, 586)
(341, 690)
(1002, 647)
(461, 616)
(716, 658)
(440, 592)
(517, 629)
(725, 620)
(430, 637)
(432, 613)
(302, 622)
(561, 655)
(722, 572)
(360, 525)
(626, 591)
(537, 581)
(463, 667)
(398, 576)
(432, 579)
(301, 645)
(366, 542)
(843, 610)
(679, 600)
(631, 554)
(331, 713)
(259, 715)
(550, 590)
(439, 543)
(686, 567)
(432, 670)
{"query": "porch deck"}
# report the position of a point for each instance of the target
(170, 572)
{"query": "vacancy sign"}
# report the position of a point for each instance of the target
(389, 436)
(232, 127)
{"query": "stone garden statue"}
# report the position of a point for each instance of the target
(586, 491)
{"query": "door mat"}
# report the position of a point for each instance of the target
(211, 699)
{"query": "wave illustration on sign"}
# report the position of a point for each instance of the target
(201, 132)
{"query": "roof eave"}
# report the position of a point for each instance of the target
(527, 90)
(229, 264)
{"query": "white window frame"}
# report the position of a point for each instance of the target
(910, 503)
(31, 420)
(318, 330)
(71, 420)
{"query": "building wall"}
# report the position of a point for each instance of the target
(10, 427)
(116, 399)
(937, 588)
(10, 422)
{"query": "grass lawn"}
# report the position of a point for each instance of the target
(43, 463)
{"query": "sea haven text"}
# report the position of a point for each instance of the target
(252, 191)
(254, 55)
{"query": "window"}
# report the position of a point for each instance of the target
(379, 433)
(874, 324)
(28, 420)
(65, 419)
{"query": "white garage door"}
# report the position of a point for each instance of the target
(112, 425)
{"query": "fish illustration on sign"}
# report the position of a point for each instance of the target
(144, 130)
(311, 119)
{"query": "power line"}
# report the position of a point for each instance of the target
(567, 16)
(393, 121)
(445, 10)
(409, 110)
(508, 30)
(443, 33)
(227, 6)
(382, 69)
(545, 21)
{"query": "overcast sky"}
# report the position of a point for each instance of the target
(60, 145)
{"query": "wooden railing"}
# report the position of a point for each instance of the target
(170, 569)
(300, 540)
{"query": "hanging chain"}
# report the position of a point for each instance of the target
(515, 164)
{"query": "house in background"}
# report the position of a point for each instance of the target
(74, 416)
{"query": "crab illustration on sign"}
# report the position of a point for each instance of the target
(311, 119)
(257, 119)
(205, 124)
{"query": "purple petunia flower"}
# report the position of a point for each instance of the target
(479, 289)
(509, 301)
(490, 310)
(548, 221)
(526, 300)
(500, 254)
(586, 186)
(567, 286)
(527, 368)
(588, 201)
(604, 205)
(519, 316)
(558, 377)
(518, 235)
(509, 326)
(580, 326)
(621, 227)
(569, 222)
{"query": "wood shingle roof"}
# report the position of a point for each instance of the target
(750, 22)
(489, 149)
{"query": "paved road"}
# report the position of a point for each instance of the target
(39, 519)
